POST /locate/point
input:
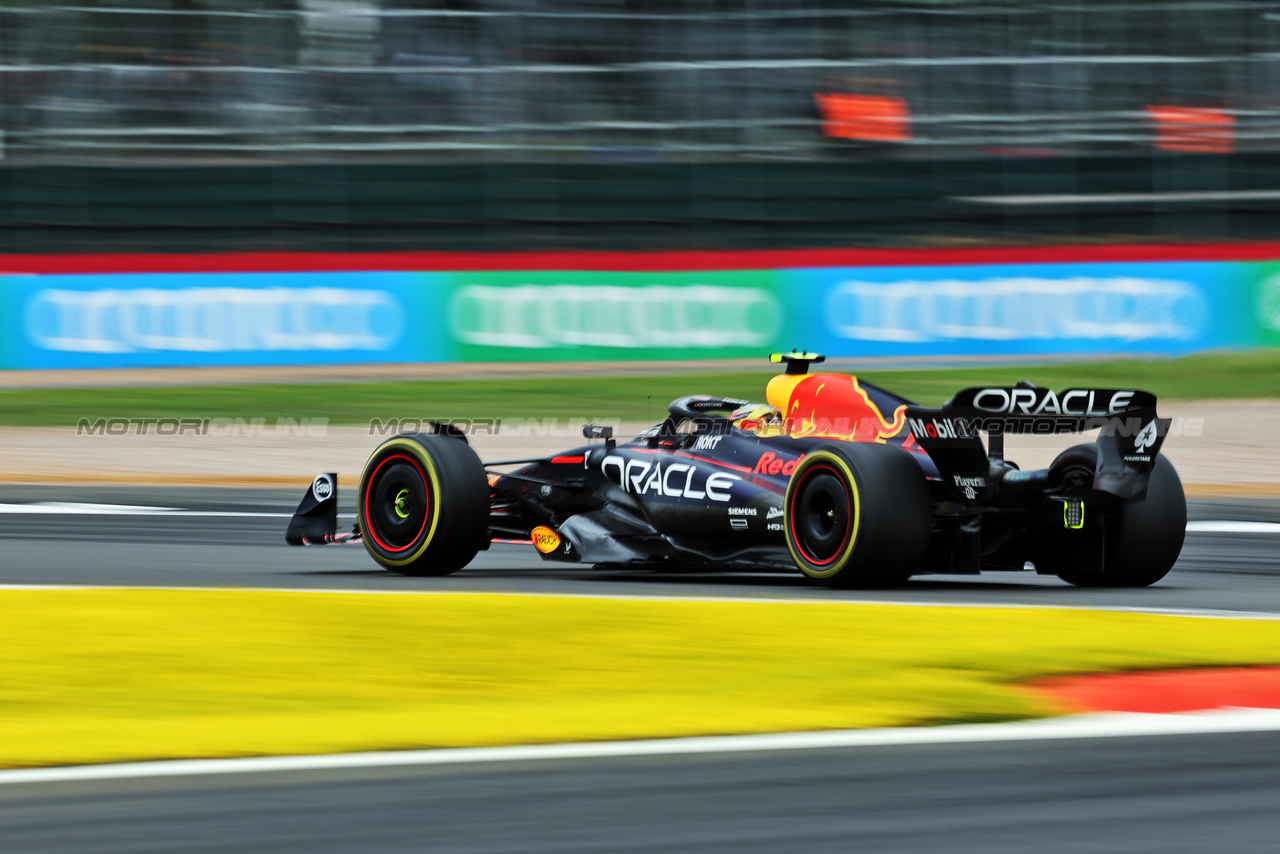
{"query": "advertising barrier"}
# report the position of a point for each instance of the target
(199, 319)
(239, 315)
(1022, 309)
(552, 316)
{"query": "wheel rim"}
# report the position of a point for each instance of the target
(821, 515)
(397, 503)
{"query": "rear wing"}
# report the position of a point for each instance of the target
(1129, 439)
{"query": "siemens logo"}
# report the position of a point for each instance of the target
(213, 320)
(659, 316)
(1016, 309)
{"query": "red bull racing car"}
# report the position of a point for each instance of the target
(845, 482)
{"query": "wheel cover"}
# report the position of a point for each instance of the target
(397, 503)
(821, 515)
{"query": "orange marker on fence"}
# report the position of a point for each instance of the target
(1193, 129)
(870, 118)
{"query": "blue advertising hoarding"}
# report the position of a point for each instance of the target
(212, 319)
(1165, 307)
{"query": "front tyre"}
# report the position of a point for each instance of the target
(423, 505)
(857, 515)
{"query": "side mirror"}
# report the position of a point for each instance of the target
(599, 431)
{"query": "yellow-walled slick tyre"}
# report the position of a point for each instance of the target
(857, 515)
(423, 504)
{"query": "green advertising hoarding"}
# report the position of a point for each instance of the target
(584, 315)
(1262, 296)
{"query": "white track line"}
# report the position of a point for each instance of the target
(59, 508)
(70, 508)
(1208, 527)
(1110, 725)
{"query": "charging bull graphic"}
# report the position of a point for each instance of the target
(835, 406)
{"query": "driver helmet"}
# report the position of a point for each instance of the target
(757, 418)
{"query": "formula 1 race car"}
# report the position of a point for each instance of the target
(835, 477)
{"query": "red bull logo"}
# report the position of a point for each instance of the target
(835, 406)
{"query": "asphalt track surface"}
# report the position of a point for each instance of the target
(1217, 572)
(1167, 795)
(1162, 794)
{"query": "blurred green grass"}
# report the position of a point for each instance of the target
(1248, 375)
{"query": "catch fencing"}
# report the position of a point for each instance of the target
(370, 125)
(585, 80)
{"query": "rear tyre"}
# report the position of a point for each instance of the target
(423, 505)
(1144, 539)
(857, 515)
